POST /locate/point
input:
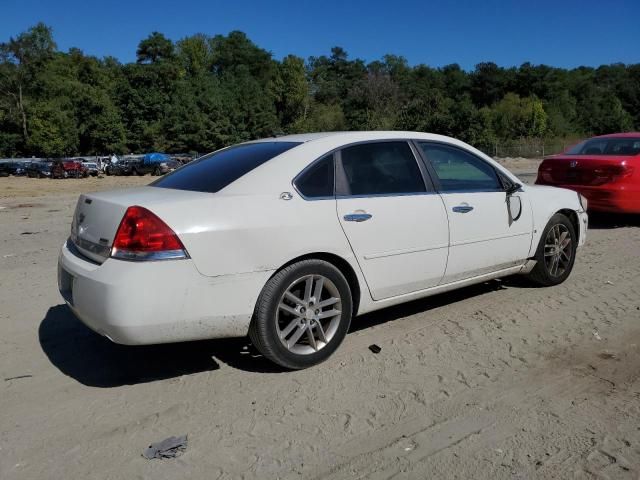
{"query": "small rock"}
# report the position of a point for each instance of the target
(607, 356)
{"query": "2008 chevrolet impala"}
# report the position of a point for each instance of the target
(286, 239)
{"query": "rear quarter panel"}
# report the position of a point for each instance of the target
(231, 234)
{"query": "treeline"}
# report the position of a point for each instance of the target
(201, 93)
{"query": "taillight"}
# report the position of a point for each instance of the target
(143, 236)
(611, 173)
(544, 172)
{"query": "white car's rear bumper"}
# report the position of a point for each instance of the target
(136, 303)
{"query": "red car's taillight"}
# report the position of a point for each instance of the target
(143, 236)
(611, 173)
(544, 173)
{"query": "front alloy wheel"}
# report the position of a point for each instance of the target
(302, 314)
(556, 252)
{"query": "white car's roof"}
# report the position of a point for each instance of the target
(277, 174)
(352, 136)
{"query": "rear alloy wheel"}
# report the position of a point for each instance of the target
(556, 252)
(302, 314)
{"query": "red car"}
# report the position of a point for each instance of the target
(69, 169)
(605, 169)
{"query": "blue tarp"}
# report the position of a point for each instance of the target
(155, 158)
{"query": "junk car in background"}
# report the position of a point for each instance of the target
(605, 169)
(39, 170)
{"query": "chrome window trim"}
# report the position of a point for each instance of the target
(382, 195)
(474, 190)
(337, 161)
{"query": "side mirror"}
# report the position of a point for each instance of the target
(513, 188)
(514, 204)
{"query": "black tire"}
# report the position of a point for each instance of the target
(263, 329)
(542, 274)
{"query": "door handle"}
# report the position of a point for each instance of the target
(357, 217)
(462, 208)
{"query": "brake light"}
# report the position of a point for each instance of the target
(544, 172)
(143, 236)
(611, 173)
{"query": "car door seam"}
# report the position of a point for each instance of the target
(392, 253)
(355, 256)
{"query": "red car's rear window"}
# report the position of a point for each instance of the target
(607, 146)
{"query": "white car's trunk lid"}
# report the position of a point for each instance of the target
(98, 216)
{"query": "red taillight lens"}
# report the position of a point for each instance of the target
(611, 173)
(544, 173)
(143, 236)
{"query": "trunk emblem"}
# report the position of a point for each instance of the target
(573, 163)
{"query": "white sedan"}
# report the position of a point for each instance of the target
(286, 239)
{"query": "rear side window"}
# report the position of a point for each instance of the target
(317, 181)
(458, 170)
(381, 168)
(215, 171)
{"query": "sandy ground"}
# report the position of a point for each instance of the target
(495, 381)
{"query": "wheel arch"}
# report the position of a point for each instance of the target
(572, 215)
(341, 264)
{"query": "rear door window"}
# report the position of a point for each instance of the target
(381, 168)
(215, 171)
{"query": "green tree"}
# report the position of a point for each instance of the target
(205, 92)
(20, 60)
(194, 54)
(156, 47)
(373, 103)
(515, 117)
(292, 91)
(600, 114)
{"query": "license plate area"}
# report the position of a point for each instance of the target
(65, 285)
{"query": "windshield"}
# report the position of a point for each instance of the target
(215, 171)
(607, 146)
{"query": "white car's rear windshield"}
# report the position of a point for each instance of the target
(215, 171)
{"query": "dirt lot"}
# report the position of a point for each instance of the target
(495, 381)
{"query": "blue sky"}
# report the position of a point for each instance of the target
(564, 33)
